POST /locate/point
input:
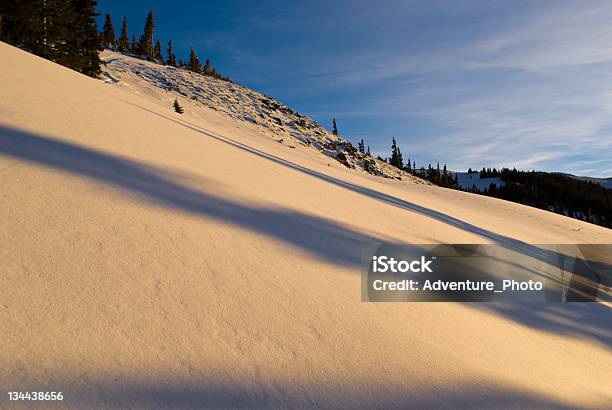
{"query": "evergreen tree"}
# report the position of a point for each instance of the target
(393, 151)
(445, 176)
(207, 67)
(63, 31)
(396, 155)
(157, 52)
(134, 45)
(146, 40)
(181, 63)
(108, 33)
(334, 127)
(194, 62)
(83, 40)
(400, 161)
(171, 60)
(361, 146)
(24, 24)
(368, 152)
(177, 107)
(59, 19)
(124, 40)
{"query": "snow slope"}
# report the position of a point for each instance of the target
(467, 181)
(153, 260)
(165, 83)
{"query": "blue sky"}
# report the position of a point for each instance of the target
(524, 84)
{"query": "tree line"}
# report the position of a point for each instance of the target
(562, 194)
(584, 200)
(66, 32)
(63, 31)
(485, 172)
(147, 47)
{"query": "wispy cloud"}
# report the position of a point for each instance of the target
(567, 33)
(535, 93)
(469, 82)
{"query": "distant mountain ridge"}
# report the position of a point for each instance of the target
(604, 182)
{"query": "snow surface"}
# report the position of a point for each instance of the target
(157, 260)
(241, 103)
(467, 181)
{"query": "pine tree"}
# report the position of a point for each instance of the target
(134, 45)
(157, 51)
(108, 33)
(361, 146)
(181, 63)
(194, 62)
(24, 23)
(446, 176)
(334, 127)
(84, 40)
(368, 152)
(400, 161)
(171, 60)
(146, 40)
(207, 67)
(59, 20)
(396, 155)
(177, 107)
(124, 40)
(63, 31)
(39, 27)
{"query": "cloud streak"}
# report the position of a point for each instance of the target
(471, 82)
(534, 93)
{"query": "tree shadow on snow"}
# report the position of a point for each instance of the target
(176, 392)
(321, 237)
(591, 320)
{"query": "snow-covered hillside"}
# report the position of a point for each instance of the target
(469, 180)
(157, 260)
(241, 103)
(604, 182)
